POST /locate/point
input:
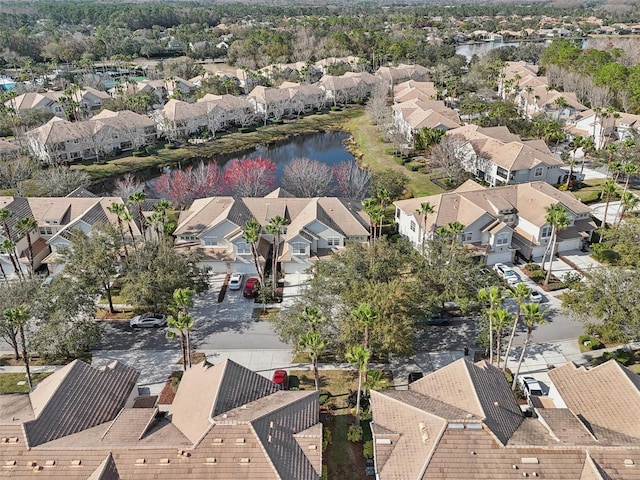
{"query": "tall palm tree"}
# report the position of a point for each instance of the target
(609, 189)
(358, 356)
(455, 229)
(9, 247)
(495, 297)
(275, 228)
(179, 327)
(384, 198)
(501, 319)
(156, 223)
(26, 225)
(138, 198)
(520, 293)
(628, 202)
(127, 217)
(376, 216)
(4, 216)
(313, 343)
(17, 317)
(118, 210)
(251, 235)
(182, 300)
(366, 315)
(163, 207)
(531, 316)
(553, 211)
(313, 317)
(559, 220)
(424, 211)
(628, 169)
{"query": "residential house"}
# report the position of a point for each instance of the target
(225, 422)
(316, 227)
(304, 97)
(411, 116)
(496, 156)
(8, 150)
(346, 88)
(30, 100)
(462, 421)
(229, 110)
(412, 89)
(325, 64)
(91, 99)
(180, 119)
(498, 222)
(604, 127)
(270, 102)
(402, 73)
(56, 217)
(62, 141)
(552, 103)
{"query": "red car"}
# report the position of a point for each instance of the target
(281, 379)
(251, 287)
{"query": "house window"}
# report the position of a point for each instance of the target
(502, 172)
(546, 231)
(46, 231)
(466, 236)
(538, 172)
(333, 241)
(299, 248)
(210, 241)
(412, 226)
(502, 239)
(244, 248)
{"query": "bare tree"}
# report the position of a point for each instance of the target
(377, 107)
(351, 181)
(304, 177)
(127, 185)
(60, 181)
(13, 172)
(448, 156)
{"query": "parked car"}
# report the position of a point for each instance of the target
(148, 320)
(235, 282)
(530, 386)
(439, 318)
(413, 376)
(251, 287)
(535, 296)
(281, 379)
(506, 273)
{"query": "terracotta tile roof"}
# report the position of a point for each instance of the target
(76, 398)
(587, 393)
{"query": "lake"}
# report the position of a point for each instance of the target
(326, 147)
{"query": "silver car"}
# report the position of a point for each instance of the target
(148, 320)
(235, 282)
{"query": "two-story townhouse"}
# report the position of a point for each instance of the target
(411, 89)
(58, 141)
(91, 99)
(31, 100)
(315, 228)
(498, 222)
(229, 109)
(270, 102)
(402, 73)
(304, 97)
(410, 116)
(604, 127)
(498, 157)
(554, 104)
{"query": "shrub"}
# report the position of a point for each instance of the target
(608, 332)
(414, 166)
(335, 108)
(621, 355)
(398, 160)
(354, 434)
(326, 437)
(170, 146)
(325, 397)
(139, 153)
(367, 449)
(244, 129)
(587, 342)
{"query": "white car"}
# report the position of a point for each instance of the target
(235, 282)
(506, 273)
(530, 386)
(535, 296)
(148, 320)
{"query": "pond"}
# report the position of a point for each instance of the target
(326, 147)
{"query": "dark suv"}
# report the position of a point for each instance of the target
(439, 318)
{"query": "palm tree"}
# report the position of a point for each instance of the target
(163, 207)
(384, 197)
(559, 220)
(520, 293)
(495, 296)
(628, 202)
(179, 327)
(118, 210)
(156, 222)
(313, 343)
(26, 225)
(17, 317)
(376, 216)
(359, 357)
(609, 189)
(455, 229)
(553, 211)
(9, 247)
(366, 316)
(138, 199)
(4, 216)
(425, 209)
(588, 146)
(127, 217)
(274, 227)
(531, 316)
(183, 298)
(251, 235)
(501, 319)
(313, 317)
(628, 169)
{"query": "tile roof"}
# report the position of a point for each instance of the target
(587, 393)
(107, 470)
(77, 398)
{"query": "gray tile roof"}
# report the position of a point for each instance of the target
(78, 397)
(106, 471)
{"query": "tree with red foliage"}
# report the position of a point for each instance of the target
(251, 177)
(182, 187)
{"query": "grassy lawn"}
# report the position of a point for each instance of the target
(225, 143)
(9, 360)
(372, 151)
(590, 192)
(9, 382)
